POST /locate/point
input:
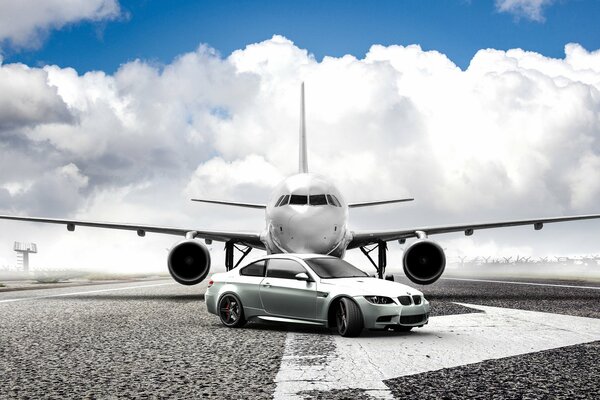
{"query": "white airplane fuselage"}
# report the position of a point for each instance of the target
(306, 214)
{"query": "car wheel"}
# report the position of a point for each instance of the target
(348, 318)
(231, 311)
(401, 328)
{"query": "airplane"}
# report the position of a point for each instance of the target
(306, 213)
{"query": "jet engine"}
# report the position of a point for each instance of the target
(424, 262)
(189, 262)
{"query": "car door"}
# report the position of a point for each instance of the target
(285, 296)
(249, 284)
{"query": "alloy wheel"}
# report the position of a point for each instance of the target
(230, 310)
(342, 318)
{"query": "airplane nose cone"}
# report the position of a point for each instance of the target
(313, 232)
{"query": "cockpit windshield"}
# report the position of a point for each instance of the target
(297, 199)
(333, 200)
(283, 200)
(318, 200)
(313, 200)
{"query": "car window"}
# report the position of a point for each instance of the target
(284, 268)
(334, 268)
(254, 269)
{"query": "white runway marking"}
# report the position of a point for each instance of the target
(523, 283)
(448, 341)
(85, 292)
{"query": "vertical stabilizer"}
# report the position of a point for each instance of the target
(303, 158)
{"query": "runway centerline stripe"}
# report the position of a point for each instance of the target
(523, 283)
(85, 292)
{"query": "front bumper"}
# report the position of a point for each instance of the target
(381, 316)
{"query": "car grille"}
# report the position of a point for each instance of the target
(413, 319)
(408, 300)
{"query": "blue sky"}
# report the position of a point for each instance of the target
(158, 31)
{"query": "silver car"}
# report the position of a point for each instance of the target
(317, 290)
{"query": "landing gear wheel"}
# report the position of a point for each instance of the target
(401, 328)
(231, 311)
(348, 318)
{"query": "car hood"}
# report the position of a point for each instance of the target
(370, 286)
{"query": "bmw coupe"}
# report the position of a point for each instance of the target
(317, 290)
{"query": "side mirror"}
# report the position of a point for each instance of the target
(302, 277)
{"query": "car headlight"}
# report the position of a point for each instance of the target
(379, 300)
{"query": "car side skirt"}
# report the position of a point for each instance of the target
(287, 320)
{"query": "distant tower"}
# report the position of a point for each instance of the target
(23, 250)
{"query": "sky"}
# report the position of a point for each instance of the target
(123, 110)
(159, 31)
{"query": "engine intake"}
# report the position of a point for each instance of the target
(189, 262)
(424, 262)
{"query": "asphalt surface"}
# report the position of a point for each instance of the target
(567, 373)
(155, 339)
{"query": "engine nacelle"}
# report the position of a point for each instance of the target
(189, 262)
(424, 262)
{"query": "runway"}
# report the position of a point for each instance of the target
(531, 339)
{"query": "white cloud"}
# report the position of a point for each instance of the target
(515, 135)
(24, 23)
(26, 98)
(530, 9)
(216, 178)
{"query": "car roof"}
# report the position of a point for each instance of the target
(291, 256)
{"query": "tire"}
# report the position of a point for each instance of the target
(401, 328)
(348, 318)
(231, 311)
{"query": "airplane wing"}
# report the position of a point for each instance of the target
(369, 237)
(232, 203)
(248, 238)
(376, 203)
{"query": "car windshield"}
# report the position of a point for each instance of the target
(328, 268)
